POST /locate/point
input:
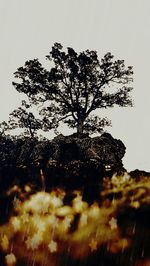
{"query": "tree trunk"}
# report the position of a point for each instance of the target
(80, 127)
(31, 132)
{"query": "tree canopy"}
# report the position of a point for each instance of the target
(75, 85)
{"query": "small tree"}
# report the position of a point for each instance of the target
(75, 86)
(23, 118)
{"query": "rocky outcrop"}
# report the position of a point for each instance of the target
(103, 149)
(68, 161)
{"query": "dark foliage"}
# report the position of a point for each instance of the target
(139, 173)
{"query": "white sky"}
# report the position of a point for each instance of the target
(29, 28)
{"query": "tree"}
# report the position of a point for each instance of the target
(75, 86)
(23, 118)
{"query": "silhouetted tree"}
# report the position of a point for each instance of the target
(74, 87)
(23, 118)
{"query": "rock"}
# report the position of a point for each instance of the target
(69, 161)
(103, 149)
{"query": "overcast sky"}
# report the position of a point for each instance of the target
(29, 28)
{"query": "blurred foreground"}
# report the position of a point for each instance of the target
(62, 227)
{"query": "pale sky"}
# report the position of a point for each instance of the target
(29, 29)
